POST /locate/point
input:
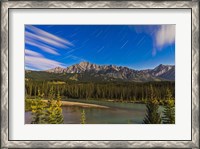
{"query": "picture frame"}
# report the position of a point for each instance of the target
(7, 6)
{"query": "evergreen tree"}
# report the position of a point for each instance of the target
(50, 106)
(152, 114)
(50, 113)
(83, 118)
(38, 113)
(58, 110)
(169, 109)
(54, 110)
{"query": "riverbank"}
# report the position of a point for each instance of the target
(80, 104)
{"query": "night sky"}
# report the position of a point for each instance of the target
(134, 46)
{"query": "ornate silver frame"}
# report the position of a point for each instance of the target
(6, 143)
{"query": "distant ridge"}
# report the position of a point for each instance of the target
(161, 72)
(86, 71)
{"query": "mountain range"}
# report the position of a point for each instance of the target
(86, 71)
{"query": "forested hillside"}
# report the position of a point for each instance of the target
(119, 91)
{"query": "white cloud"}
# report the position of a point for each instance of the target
(40, 63)
(44, 40)
(41, 46)
(165, 36)
(28, 68)
(162, 35)
(48, 37)
(32, 53)
(36, 61)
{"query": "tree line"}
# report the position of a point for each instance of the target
(129, 91)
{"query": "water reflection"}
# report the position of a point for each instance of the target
(117, 113)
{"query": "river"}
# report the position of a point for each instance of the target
(117, 113)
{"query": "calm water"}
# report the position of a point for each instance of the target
(117, 113)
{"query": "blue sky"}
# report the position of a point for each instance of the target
(135, 46)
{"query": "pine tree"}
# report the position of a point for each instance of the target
(50, 107)
(54, 110)
(169, 109)
(38, 113)
(50, 114)
(58, 110)
(83, 118)
(152, 114)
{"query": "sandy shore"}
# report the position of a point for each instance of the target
(80, 104)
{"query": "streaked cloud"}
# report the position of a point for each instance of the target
(47, 35)
(36, 61)
(45, 41)
(40, 63)
(42, 46)
(165, 35)
(32, 53)
(28, 68)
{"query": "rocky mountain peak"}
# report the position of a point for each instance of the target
(161, 71)
(56, 70)
(84, 64)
